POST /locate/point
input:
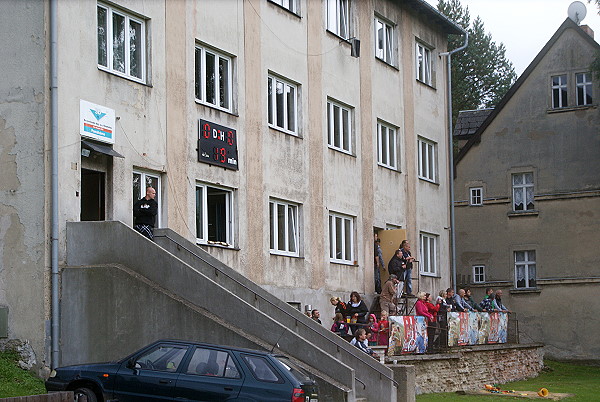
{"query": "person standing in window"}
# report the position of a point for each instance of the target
(144, 213)
(378, 263)
(407, 262)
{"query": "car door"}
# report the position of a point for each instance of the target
(151, 375)
(210, 375)
(265, 383)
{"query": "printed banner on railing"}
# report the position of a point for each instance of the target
(408, 335)
(474, 328)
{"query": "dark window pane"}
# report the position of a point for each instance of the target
(224, 82)
(210, 78)
(279, 103)
(135, 49)
(198, 77)
(102, 32)
(199, 212)
(119, 43)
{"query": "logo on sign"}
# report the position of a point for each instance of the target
(98, 115)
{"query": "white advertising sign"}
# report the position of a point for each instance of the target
(96, 122)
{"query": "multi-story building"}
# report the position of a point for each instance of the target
(269, 143)
(528, 197)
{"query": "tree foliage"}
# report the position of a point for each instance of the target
(595, 67)
(481, 74)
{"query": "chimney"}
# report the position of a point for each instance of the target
(587, 30)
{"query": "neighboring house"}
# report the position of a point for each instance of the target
(268, 144)
(528, 198)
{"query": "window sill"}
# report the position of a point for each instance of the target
(393, 169)
(211, 106)
(524, 291)
(336, 36)
(515, 214)
(342, 151)
(571, 108)
(426, 84)
(435, 183)
(284, 131)
(344, 263)
(282, 254)
(124, 76)
(217, 245)
(390, 65)
(279, 6)
(429, 274)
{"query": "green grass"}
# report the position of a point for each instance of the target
(14, 381)
(582, 381)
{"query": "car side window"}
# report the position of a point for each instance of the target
(161, 358)
(261, 369)
(214, 363)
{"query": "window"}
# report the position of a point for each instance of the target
(121, 43)
(261, 369)
(214, 363)
(339, 127)
(559, 91)
(428, 254)
(282, 107)
(214, 215)
(525, 269)
(476, 196)
(584, 88)
(522, 191)
(338, 19)
(283, 218)
(341, 238)
(478, 273)
(423, 56)
(291, 5)
(384, 41)
(427, 160)
(141, 181)
(161, 358)
(213, 80)
(386, 146)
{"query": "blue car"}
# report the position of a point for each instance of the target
(172, 370)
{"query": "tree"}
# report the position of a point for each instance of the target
(481, 74)
(595, 67)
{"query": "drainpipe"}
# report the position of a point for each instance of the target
(451, 154)
(55, 319)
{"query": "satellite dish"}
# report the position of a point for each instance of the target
(577, 11)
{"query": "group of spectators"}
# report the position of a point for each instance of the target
(463, 301)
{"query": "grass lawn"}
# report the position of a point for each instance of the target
(14, 381)
(582, 381)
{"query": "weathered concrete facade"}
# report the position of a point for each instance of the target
(157, 131)
(557, 232)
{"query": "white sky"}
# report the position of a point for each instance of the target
(525, 26)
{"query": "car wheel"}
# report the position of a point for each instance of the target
(85, 395)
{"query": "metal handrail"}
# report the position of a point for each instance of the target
(271, 303)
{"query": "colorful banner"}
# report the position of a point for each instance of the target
(474, 328)
(408, 335)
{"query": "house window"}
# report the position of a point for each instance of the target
(214, 215)
(428, 253)
(142, 180)
(427, 160)
(423, 64)
(476, 196)
(339, 127)
(584, 88)
(384, 41)
(386, 146)
(525, 269)
(290, 5)
(478, 273)
(338, 18)
(283, 218)
(341, 238)
(282, 107)
(121, 43)
(213, 80)
(522, 191)
(559, 91)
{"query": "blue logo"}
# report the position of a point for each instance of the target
(97, 115)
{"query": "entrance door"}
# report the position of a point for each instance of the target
(92, 195)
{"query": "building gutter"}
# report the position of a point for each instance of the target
(55, 308)
(448, 56)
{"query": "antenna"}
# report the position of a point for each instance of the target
(577, 11)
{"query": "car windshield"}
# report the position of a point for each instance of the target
(294, 369)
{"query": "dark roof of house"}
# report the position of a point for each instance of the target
(469, 121)
(567, 24)
(432, 14)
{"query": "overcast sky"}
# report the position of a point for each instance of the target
(525, 26)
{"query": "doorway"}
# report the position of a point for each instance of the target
(92, 195)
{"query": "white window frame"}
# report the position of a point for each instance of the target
(428, 253)
(272, 83)
(476, 196)
(423, 62)
(384, 43)
(128, 19)
(202, 237)
(559, 91)
(343, 134)
(338, 17)
(346, 250)
(202, 51)
(289, 224)
(387, 156)
(147, 179)
(290, 5)
(427, 160)
(528, 263)
(584, 88)
(478, 273)
(523, 189)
